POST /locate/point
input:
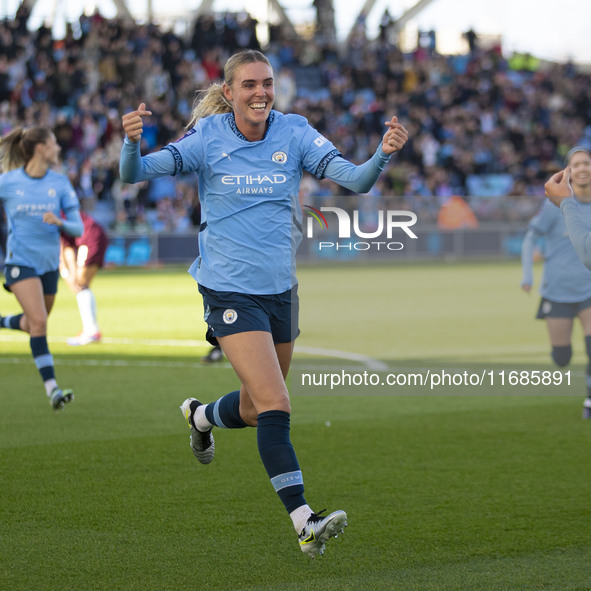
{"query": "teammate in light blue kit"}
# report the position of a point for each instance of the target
(33, 196)
(566, 285)
(249, 160)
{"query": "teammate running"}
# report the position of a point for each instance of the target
(33, 196)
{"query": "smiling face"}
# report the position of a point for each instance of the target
(580, 163)
(252, 93)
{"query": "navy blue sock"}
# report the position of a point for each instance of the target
(225, 412)
(42, 357)
(279, 458)
(13, 322)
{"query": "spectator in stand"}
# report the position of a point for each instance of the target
(470, 115)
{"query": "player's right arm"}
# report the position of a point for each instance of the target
(134, 168)
(538, 226)
(133, 123)
(527, 258)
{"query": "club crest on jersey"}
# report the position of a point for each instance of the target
(52, 192)
(15, 272)
(280, 157)
(230, 316)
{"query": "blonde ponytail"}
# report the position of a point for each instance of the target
(17, 147)
(212, 102)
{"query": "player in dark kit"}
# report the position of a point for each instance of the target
(80, 260)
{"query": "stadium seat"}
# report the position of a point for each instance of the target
(139, 252)
(115, 255)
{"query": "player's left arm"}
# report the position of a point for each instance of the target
(361, 178)
(395, 138)
(72, 225)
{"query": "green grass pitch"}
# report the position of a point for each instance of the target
(478, 487)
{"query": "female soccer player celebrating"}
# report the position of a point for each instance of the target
(33, 196)
(249, 159)
(566, 285)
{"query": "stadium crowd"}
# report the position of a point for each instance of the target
(484, 126)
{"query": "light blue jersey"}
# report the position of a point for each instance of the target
(251, 216)
(31, 242)
(565, 277)
(249, 197)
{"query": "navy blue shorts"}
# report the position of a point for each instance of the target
(229, 312)
(550, 309)
(16, 273)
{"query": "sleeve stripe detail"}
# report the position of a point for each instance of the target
(178, 159)
(324, 163)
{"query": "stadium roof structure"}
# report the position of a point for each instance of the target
(324, 8)
(121, 6)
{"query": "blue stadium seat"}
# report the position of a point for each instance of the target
(139, 252)
(115, 254)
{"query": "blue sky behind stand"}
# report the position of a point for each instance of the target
(545, 28)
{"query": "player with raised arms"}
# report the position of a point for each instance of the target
(249, 160)
(566, 284)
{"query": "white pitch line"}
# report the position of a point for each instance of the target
(66, 361)
(61, 361)
(369, 362)
(123, 341)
